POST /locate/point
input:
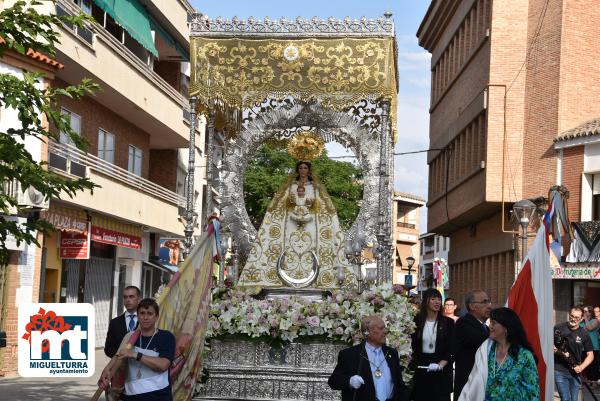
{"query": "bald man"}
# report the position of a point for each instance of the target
(369, 371)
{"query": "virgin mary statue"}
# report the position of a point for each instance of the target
(299, 243)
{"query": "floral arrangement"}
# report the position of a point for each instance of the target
(235, 312)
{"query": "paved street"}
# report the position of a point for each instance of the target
(59, 389)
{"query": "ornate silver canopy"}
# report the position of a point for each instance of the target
(300, 27)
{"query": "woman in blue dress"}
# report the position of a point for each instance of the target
(512, 372)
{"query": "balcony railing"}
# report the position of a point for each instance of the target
(66, 7)
(61, 156)
(405, 225)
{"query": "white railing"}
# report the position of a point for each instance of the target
(115, 172)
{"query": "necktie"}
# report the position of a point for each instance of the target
(486, 329)
(131, 325)
(380, 384)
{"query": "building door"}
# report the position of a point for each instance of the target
(98, 292)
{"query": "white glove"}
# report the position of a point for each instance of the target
(434, 367)
(356, 381)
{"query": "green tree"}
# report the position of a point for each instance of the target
(23, 28)
(272, 165)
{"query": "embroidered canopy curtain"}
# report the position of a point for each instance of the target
(233, 73)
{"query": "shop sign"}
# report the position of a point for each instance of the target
(576, 272)
(74, 245)
(116, 238)
(62, 221)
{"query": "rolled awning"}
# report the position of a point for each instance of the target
(133, 17)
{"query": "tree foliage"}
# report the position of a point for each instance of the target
(23, 28)
(272, 165)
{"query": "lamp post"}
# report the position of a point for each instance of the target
(410, 261)
(524, 210)
(189, 205)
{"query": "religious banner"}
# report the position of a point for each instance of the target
(577, 272)
(74, 245)
(168, 251)
(116, 238)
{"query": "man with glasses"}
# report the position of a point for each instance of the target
(450, 308)
(573, 352)
(470, 332)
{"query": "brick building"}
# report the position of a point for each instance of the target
(578, 153)
(507, 78)
(137, 127)
(405, 215)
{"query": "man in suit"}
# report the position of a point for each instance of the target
(122, 324)
(369, 371)
(469, 333)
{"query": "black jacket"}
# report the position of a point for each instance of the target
(117, 329)
(443, 351)
(350, 360)
(469, 334)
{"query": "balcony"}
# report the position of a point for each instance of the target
(122, 194)
(129, 87)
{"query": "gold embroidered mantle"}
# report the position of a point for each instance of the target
(234, 73)
(280, 232)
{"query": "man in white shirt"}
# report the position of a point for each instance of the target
(369, 371)
(124, 323)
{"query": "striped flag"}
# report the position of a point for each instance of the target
(531, 294)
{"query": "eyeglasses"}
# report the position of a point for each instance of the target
(485, 302)
(448, 305)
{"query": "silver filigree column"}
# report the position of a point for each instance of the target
(189, 206)
(384, 267)
(210, 164)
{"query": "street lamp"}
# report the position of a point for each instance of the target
(410, 261)
(524, 210)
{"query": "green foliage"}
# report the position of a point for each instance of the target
(272, 165)
(23, 28)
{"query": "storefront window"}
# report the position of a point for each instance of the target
(586, 293)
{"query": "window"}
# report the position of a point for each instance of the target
(135, 160)
(85, 5)
(106, 146)
(75, 126)
(437, 243)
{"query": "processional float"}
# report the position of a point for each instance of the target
(312, 81)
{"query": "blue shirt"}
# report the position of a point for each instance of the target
(384, 385)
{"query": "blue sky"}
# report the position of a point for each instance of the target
(410, 172)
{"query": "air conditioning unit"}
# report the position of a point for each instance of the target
(32, 199)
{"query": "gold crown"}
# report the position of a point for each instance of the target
(305, 145)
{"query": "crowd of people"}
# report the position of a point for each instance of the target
(481, 356)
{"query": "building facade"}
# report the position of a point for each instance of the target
(137, 126)
(578, 168)
(405, 215)
(507, 78)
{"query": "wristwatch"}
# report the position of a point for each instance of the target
(139, 356)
